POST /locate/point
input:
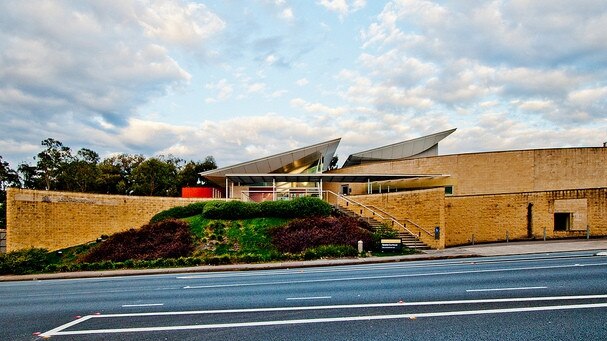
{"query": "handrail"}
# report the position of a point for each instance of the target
(390, 217)
(407, 219)
(340, 196)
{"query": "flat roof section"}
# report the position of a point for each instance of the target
(251, 179)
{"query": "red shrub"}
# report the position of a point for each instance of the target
(166, 239)
(301, 234)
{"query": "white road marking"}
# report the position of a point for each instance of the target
(505, 289)
(59, 330)
(386, 276)
(308, 298)
(142, 305)
(352, 268)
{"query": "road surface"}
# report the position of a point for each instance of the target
(560, 296)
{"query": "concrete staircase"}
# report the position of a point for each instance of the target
(408, 240)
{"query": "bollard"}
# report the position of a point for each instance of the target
(587, 232)
(360, 246)
(473, 239)
(544, 233)
(507, 237)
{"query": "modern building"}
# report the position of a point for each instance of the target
(442, 200)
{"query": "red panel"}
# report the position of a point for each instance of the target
(197, 192)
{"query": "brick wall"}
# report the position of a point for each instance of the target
(424, 208)
(494, 218)
(500, 172)
(56, 220)
(489, 218)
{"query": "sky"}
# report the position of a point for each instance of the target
(240, 80)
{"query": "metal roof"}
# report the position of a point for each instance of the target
(250, 179)
(425, 146)
(286, 162)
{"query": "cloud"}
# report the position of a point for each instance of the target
(223, 88)
(74, 58)
(176, 23)
(302, 82)
(317, 107)
(343, 7)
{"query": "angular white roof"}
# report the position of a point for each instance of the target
(286, 162)
(421, 146)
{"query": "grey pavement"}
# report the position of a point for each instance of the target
(479, 250)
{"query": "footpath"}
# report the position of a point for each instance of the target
(599, 246)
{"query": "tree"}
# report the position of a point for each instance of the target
(8, 178)
(116, 173)
(155, 176)
(82, 173)
(30, 178)
(189, 173)
(51, 163)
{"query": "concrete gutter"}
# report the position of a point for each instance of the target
(483, 250)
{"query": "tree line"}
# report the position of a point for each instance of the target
(58, 168)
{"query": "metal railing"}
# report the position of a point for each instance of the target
(407, 220)
(279, 193)
(372, 212)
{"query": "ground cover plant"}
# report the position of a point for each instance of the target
(302, 234)
(169, 238)
(213, 233)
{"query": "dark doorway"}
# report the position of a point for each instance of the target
(530, 220)
(345, 189)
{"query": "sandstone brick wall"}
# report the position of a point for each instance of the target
(424, 208)
(56, 220)
(501, 172)
(488, 218)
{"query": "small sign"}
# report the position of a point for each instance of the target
(391, 245)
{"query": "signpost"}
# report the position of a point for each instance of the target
(392, 245)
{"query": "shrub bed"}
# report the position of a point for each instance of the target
(25, 261)
(302, 234)
(165, 239)
(296, 208)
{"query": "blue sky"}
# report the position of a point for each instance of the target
(240, 80)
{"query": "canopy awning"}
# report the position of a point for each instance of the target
(251, 179)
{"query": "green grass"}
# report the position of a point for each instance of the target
(245, 238)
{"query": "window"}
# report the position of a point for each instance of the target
(562, 221)
(448, 190)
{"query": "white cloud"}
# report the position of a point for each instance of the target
(317, 107)
(343, 7)
(223, 88)
(287, 14)
(302, 82)
(256, 87)
(177, 23)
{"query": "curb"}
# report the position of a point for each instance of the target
(231, 267)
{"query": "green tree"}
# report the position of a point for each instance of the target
(8, 178)
(51, 162)
(30, 178)
(116, 173)
(156, 176)
(189, 173)
(81, 174)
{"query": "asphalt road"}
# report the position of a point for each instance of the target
(544, 297)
